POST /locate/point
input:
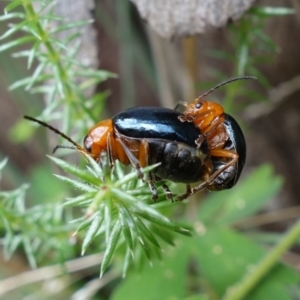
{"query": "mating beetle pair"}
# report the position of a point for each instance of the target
(201, 145)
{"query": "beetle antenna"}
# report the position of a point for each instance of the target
(225, 82)
(77, 146)
(63, 147)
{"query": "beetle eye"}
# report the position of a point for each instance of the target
(198, 105)
(87, 144)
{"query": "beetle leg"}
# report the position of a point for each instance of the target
(133, 160)
(205, 178)
(186, 194)
(110, 155)
(143, 159)
(167, 192)
(217, 137)
(200, 140)
(224, 154)
(143, 153)
(217, 153)
(193, 191)
(109, 151)
(187, 117)
(153, 191)
(152, 186)
(214, 124)
(198, 188)
(166, 189)
(206, 128)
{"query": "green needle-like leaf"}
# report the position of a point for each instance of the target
(271, 11)
(158, 219)
(123, 209)
(164, 234)
(94, 227)
(38, 71)
(84, 224)
(76, 184)
(82, 174)
(17, 42)
(12, 16)
(82, 199)
(13, 29)
(133, 175)
(97, 171)
(146, 248)
(110, 247)
(127, 262)
(124, 195)
(3, 164)
(146, 232)
(126, 229)
(29, 252)
(32, 53)
(16, 241)
(25, 81)
(13, 5)
(71, 25)
(99, 75)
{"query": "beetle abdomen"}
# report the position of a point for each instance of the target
(179, 162)
(236, 143)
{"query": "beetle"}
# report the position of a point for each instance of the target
(225, 174)
(143, 136)
(224, 138)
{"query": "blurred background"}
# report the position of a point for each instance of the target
(154, 71)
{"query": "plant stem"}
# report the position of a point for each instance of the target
(54, 55)
(239, 291)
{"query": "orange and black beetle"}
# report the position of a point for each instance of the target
(224, 137)
(144, 136)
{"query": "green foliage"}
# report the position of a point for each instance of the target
(57, 73)
(30, 228)
(250, 48)
(117, 211)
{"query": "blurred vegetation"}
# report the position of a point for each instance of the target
(208, 249)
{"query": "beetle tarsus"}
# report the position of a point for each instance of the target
(139, 172)
(186, 194)
(168, 193)
(153, 191)
(199, 141)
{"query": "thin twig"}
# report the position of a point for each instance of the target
(269, 217)
(276, 96)
(49, 272)
(93, 286)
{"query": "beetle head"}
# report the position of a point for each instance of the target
(97, 138)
